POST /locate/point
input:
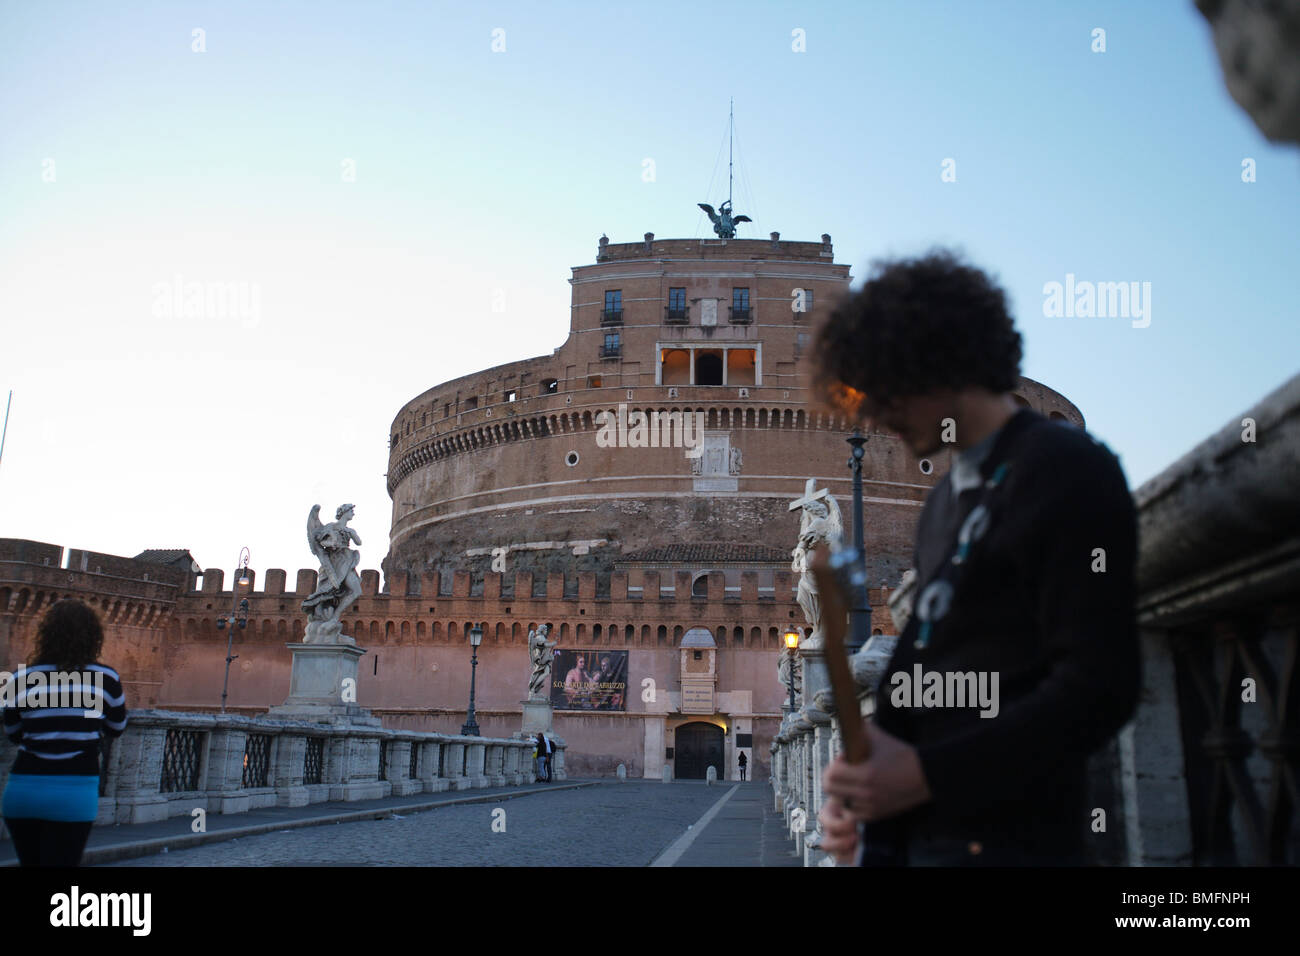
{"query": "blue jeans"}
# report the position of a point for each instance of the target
(59, 797)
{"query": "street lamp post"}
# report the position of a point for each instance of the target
(470, 729)
(238, 616)
(791, 643)
(860, 610)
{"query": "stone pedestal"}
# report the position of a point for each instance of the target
(317, 682)
(815, 676)
(537, 717)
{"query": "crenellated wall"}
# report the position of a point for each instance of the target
(135, 601)
(162, 636)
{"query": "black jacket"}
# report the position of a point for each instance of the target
(1032, 605)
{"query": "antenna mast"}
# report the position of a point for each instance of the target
(731, 136)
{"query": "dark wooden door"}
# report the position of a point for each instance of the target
(698, 746)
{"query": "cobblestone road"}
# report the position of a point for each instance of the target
(608, 825)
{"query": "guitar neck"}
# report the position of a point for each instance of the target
(834, 590)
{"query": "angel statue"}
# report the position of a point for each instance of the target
(338, 584)
(724, 223)
(820, 525)
(541, 654)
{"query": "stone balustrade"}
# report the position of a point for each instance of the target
(168, 764)
(807, 741)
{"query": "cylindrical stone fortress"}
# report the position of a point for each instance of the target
(548, 465)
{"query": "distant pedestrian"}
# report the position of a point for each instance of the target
(63, 702)
(540, 757)
(744, 762)
(550, 756)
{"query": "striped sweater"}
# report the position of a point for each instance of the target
(57, 717)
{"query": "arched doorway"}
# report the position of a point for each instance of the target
(698, 746)
(708, 368)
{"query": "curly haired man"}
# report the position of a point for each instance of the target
(1025, 558)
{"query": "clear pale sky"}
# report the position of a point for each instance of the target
(482, 173)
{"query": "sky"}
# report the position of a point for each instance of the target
(391, 195)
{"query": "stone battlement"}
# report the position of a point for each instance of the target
(715, 248)
(40, 565)
(521, 585)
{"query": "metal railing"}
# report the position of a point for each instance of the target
(181, 754)
(313, 761)
(257, 760)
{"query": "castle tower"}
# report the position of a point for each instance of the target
(510, 468)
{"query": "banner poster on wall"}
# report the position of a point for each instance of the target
(589, 680)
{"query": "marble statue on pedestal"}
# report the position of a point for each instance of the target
(541, 653)
(323, 677)
(338, 584)
(819, 526)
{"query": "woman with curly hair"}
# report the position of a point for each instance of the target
(57, 709)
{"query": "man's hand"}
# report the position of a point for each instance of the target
(887, 784)
(839, 831)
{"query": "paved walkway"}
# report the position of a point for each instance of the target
(109, 844)
(745, 832)
(575, 823)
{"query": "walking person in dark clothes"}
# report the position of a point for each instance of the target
(56, 710)
(540, 757)
(550, 756)
(1025, 562)
(744, 762)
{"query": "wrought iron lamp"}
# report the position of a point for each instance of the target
(470, 729)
